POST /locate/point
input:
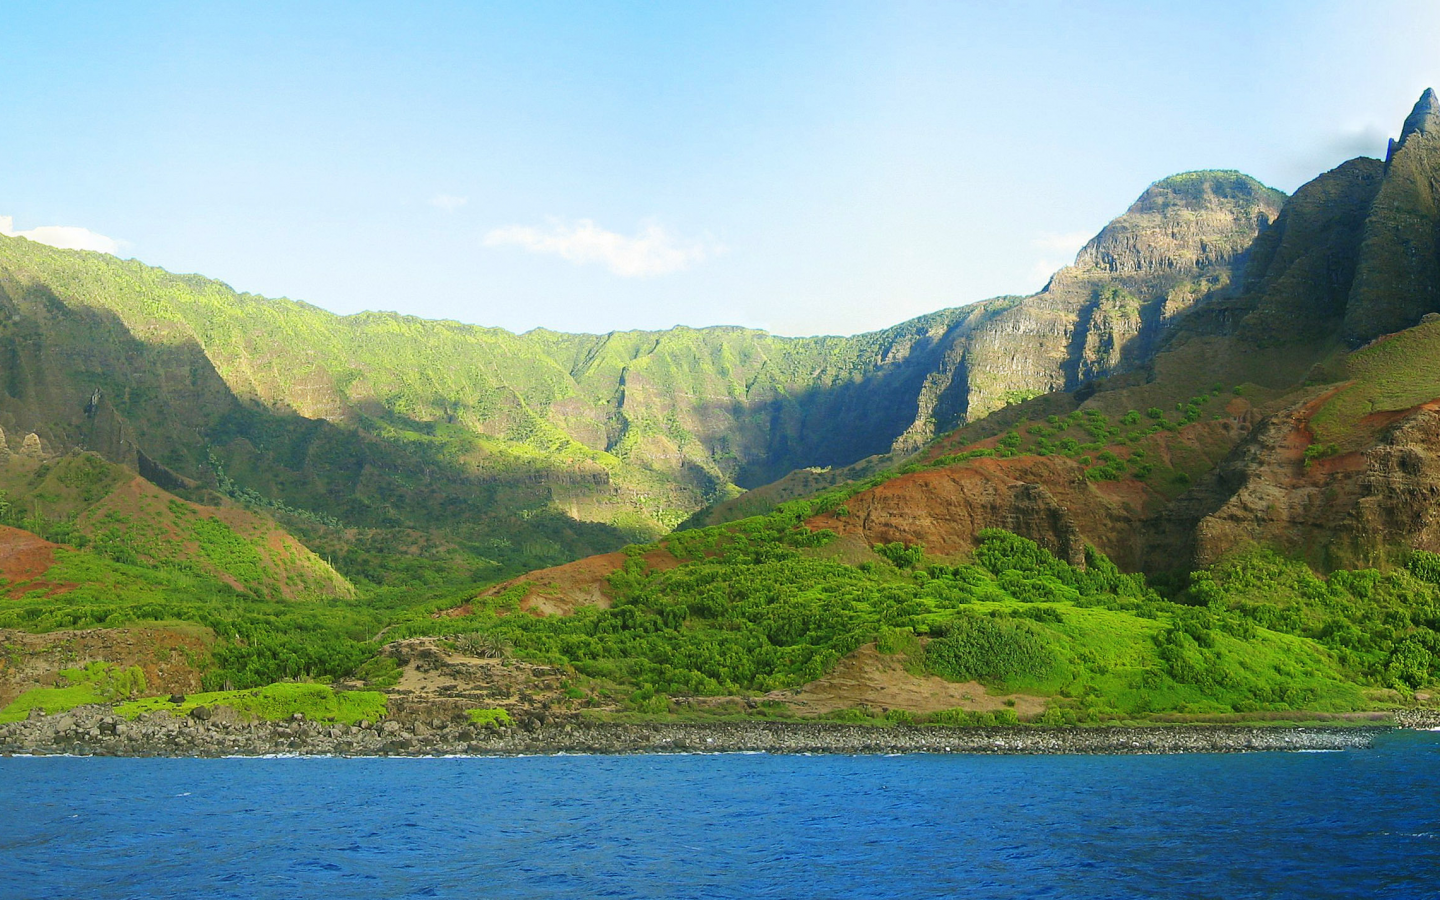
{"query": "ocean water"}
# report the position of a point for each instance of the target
(1350, 824)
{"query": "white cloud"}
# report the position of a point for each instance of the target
(1368, 139)
(448, 202)
(1067, 244)
(1357, 139)
(66, 237)
(1059, 251)
(1042, 270)
(653, 251)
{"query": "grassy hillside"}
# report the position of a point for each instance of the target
(471, 452)
(466, 450)
(1394, 374)
(83, 500)
(767, 604)
(100, 682)
(758, 607)
(259, 641)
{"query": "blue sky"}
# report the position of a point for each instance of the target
(803, 167)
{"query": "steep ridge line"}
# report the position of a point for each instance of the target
(98, 347)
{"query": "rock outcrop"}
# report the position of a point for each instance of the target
(1178, 248)
(31, 448)
(1398, 274)
(628, 429)
(1362, 507)
(1300, 272)
(944, 509)
(1181, 244)
(1423, 120)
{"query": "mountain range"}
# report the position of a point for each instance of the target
(498, 451)
(1223, 370)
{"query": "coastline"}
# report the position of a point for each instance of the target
(93, 731)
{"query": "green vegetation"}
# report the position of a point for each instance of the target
(103, 683)
(993, 650)
(1397, 372)
(1381, 628)
(759, 605)
(379, 672)
(97, 682)
(901, 555)
(497, 717)
(259, 641)
(763, 604)
(83, 501)
(974, 718)
(61, 530)
(1320, 451)
(316, 702)
(1108, 449)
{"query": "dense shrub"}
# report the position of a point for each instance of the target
(990, 650)
(901, 555)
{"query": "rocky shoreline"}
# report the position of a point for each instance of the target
(95, 731)
(1425, 719)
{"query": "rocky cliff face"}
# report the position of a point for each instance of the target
(533, 436)
(1362, 507)
(1338, 460)
(1300, 273)
(532, 449)
(1178, 248)
(1398, 275)
(1047, 501)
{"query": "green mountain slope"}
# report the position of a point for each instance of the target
(1169, 484)
(82, 499)
(768, 605)
(1272, 430)
(483, 451)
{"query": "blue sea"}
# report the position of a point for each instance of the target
(1363, 823)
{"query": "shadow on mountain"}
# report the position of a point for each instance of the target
(79, 378)
(837, 425)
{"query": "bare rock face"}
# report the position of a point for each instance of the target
(1398, 276)
(1264, 493)
(1397, 496)
(1364, 507)
(1182, 244)
(1300, 272)
(31, 448)
(1358, 508)
(1182, 224)
(1046, 500)
(1424, 119)
(107, 433)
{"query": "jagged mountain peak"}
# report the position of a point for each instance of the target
(1424, 118)
(1398, 273)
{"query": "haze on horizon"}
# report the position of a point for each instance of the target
(805, 168)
